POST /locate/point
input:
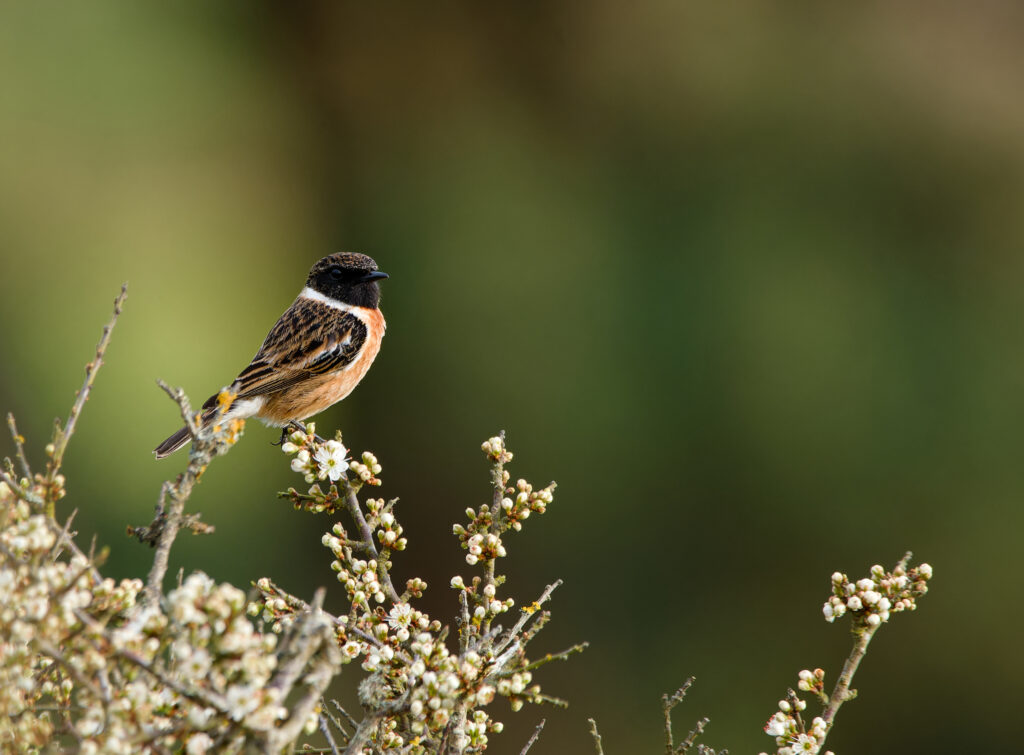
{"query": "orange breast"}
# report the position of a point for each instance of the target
(312, 396)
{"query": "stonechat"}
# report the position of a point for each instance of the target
(315, 354)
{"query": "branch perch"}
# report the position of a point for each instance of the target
(207, 442)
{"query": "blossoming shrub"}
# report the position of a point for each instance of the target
(427, 692)
(91, 665)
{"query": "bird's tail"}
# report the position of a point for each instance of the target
(173, 443)
(213, 409)
(181, 437)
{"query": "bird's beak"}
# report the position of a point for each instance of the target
(375, 275)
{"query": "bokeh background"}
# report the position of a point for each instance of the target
(745, 278)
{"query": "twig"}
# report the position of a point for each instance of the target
(26, 495)
(19, 446)
(316, 661)
(362, 734)
(304, 628)
(326, 731)
(794, 703)
(536, 734)
(667, 704)
(298, 604)
(497, 513)
(597, 737)
(842, 691)
(65, 536)
(698, 729)
(541, 619)
(465, 628)
(366, 534)
(63, 434)
(201, 697)
(348, 717)
(327, 718)
(561, 656)
(527, 613)
(170, 516)
(52, 652)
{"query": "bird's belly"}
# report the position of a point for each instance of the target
(312, 396)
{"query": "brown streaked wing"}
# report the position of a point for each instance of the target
(309, 339)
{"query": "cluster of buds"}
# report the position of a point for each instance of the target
(496, 451)
(812, 681)
(526, 500)
(319, 460)
(874, 598)
(787, 727)
(217, 648)
(389, 532)
(39, 489)
(367, 469)
(481, 536)
(277, 608)
(483, 593)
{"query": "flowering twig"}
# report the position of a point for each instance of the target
(870, 602)
(325, 459)
(367, 541)
(865, 626)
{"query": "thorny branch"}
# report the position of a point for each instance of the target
(63, 434)
(207, 442)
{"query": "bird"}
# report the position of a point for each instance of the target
(314, 356)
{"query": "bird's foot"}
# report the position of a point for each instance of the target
(295, 426)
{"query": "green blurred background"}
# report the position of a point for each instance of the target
(745, 279)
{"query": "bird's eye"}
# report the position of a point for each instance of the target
(335, 272)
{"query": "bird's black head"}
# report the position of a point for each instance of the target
(347, 277)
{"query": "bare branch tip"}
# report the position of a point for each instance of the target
(596, 735)
(536, 734)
